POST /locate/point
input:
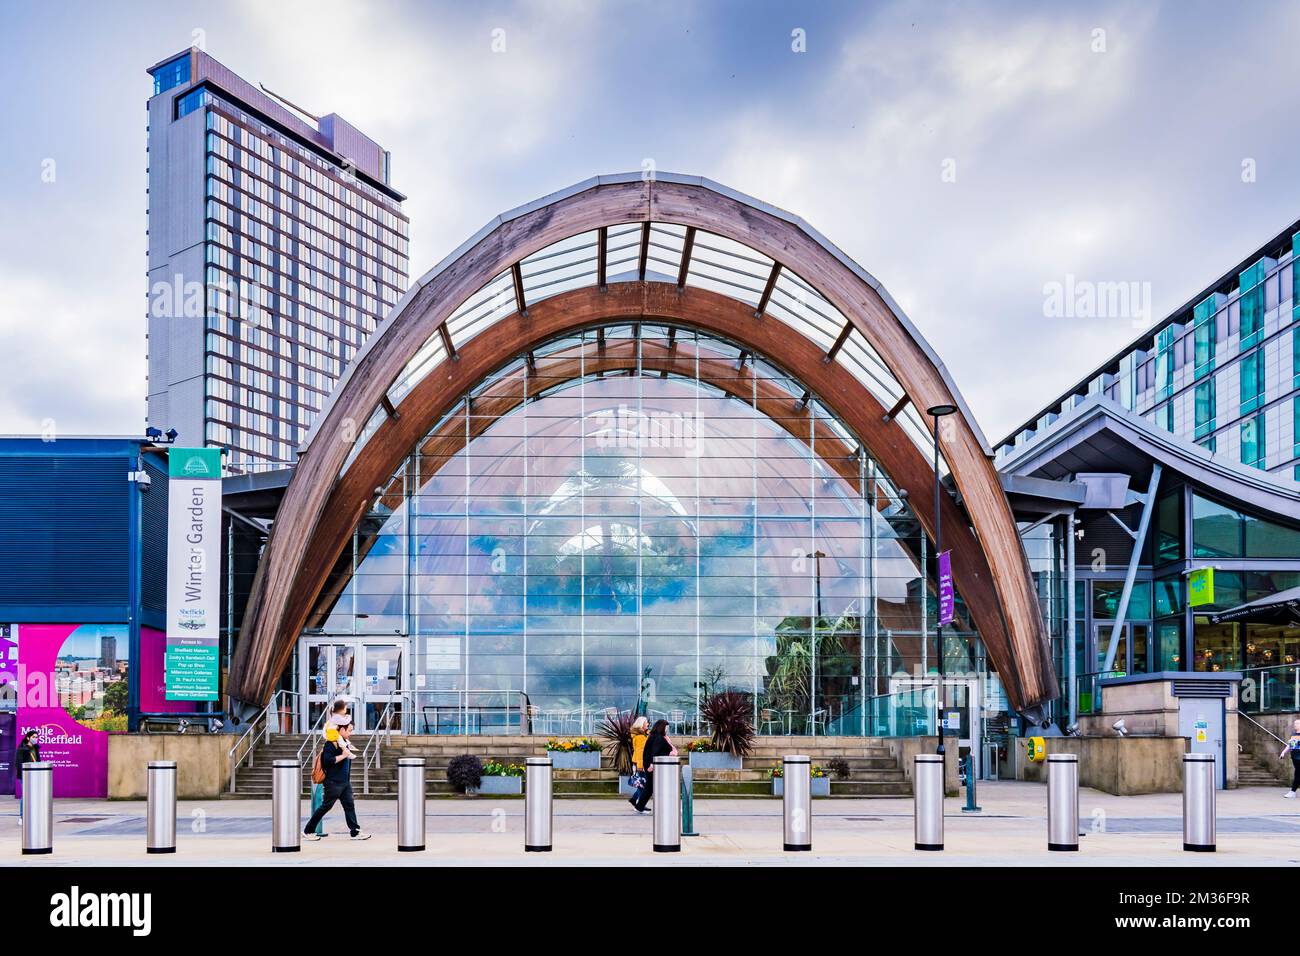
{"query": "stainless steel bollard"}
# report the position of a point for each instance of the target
(538, 805)
(410, 804)
(1199, 772)
(796, 801)
(667, 797)
(161, 823)
(38, 807)
(1063, 801)
(286, 806)
(927, 786)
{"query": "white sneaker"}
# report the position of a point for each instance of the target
(1290, 794)
(360, 836)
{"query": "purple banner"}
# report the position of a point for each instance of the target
(947, 602)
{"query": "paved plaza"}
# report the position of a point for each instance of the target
(1256, 827)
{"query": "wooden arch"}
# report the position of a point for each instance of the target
(323, 501)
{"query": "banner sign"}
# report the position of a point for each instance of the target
(1200, 587)
(947, 602)
(193, 573)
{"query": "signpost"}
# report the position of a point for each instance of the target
(192, 660)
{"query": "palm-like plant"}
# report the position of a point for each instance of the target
(730, 713)
(616, 732)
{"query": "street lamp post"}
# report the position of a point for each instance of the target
(817, 614)
(936, 412)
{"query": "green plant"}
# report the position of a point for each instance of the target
(616, 731)
(701, 745)
(730, 713)
(464, 772)
(494, 768)
(840, 767)
(571, 745)
(777, 773)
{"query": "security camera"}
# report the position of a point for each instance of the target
(1119, 728)
(1072, 730)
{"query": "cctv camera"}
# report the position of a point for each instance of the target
(1119, 728)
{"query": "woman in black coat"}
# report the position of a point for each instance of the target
(657, 746)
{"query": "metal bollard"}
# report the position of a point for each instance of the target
(38, 807)
(410, 804)
(161, 824)
(667, 797)
(1199, 772)
(1063, 801)
(538, 805)
(927, 786)
(796, 801)
(286, 802)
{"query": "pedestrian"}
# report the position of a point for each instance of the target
(28, 751)
(331, 733)
(336, 762)
(656, 745)
(640, 734)
(1293, 748)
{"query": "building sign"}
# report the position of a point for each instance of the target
(1200, 587)
(947, 602)
(72, 690)
(191, 664)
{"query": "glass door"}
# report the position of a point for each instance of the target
(328, 673)
(381, 693)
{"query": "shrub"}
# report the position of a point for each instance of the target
(730, 712)
(840, 767)
(494, 769)
(465, 772)
(616, 731)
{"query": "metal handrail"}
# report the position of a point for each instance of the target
(259, 725)
(376, 740)
(312, 738)
(1262, 727)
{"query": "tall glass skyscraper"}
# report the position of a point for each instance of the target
(276, 245)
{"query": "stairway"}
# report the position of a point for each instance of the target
(1253, 772)
(873, 769)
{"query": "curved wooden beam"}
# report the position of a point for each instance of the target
(306, 540)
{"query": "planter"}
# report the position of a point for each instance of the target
(715, 760)
(501, 785)
(575, 759)
(821, 786)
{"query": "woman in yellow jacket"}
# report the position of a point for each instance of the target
(640, 734)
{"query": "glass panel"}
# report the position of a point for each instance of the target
(1216, 530)
(644, 508)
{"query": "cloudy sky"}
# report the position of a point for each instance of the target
(967, 155)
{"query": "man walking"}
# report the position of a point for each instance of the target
(336, 762)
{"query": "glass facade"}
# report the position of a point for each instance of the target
(643, 511)
(303, 260)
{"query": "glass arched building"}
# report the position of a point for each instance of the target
(637, 442)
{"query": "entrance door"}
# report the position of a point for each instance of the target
(370, 676)
(382, 687)
(328, 673)
(961, 696)
(1200, 720)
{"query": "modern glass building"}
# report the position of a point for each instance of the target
(1172, 466)
(276, 246)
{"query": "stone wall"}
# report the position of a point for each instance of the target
(1118, 765)
(1264, 748)
(202, 763)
